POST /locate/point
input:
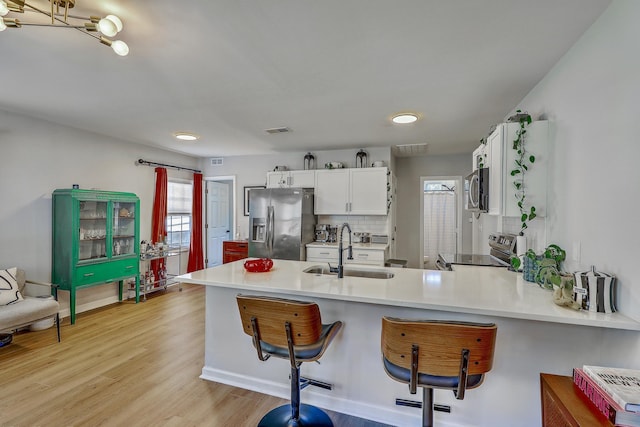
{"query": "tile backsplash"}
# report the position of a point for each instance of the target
(374, 224)
(535, 233)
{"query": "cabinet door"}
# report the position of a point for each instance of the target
(479, 157)
(233, 251)
(328, 254)
(331, 192)
(366, 257)
(368, 191)
(277, 179)
(302, 179)
(123, 232)
(92, 216)
(495, 146)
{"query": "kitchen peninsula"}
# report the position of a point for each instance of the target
(534, 335)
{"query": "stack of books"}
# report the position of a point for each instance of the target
(612, 392)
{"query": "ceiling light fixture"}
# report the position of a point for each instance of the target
(186, 136)
(404, 118)
(59, 16)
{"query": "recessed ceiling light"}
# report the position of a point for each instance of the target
(404, 118)
(186, 136)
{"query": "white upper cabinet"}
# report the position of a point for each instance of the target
(332, 192)
(290, 179)
(480, 157)
(502, 191)
(496, 170)
(368, 191)
(360, 191)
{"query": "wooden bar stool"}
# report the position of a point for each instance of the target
(437, 354)
(290, 330)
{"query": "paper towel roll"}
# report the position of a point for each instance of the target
(521, 245)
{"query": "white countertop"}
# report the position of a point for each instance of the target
(372, 246)
(477, 290)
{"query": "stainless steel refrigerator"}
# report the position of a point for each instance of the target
(281, 222)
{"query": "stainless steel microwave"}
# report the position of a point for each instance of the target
(477, 185)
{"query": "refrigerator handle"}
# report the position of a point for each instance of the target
(267, 231)
(271, 229)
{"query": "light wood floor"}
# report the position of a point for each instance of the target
(126, 364)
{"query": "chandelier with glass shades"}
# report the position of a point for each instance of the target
(58, 15)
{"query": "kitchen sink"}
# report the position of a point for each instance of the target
(352, 272)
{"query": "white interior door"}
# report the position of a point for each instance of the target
(218, 220)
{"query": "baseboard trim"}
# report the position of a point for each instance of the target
(345, 406)
(66, 312)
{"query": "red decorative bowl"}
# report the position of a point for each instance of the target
(259, 265)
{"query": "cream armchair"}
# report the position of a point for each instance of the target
(34, 307)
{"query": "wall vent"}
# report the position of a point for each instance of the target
(278, 130)
(409, 150)
(217, 161)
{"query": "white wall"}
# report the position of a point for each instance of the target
(252, 170)
(591, 97)
(39, 157)
(408, 172)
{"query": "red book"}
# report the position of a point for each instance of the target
(599, 400)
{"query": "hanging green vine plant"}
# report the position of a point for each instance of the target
(522, 164)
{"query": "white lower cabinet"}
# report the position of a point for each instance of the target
(322, 255)
(361, 256)
(367, 257)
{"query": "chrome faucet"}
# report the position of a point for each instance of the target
(340, 269)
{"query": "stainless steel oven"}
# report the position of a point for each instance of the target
(502, 248)
(477, 185)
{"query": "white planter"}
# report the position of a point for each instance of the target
(42, 324)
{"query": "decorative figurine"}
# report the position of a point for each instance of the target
(309, 161)
(362, 159)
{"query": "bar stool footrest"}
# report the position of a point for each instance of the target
(309, 416)
(305, 382)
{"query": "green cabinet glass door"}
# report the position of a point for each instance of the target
(96, 238)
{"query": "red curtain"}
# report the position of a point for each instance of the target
(159, 215)
(196, 256)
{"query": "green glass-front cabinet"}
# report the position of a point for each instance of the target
(96, 237)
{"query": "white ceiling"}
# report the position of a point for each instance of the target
(333, 71)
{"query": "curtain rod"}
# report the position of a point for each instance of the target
(148, 163)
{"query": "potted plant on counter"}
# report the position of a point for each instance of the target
(543, 269)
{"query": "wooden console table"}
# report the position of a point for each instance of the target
(562, 406)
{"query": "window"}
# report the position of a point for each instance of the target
(179, 200)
